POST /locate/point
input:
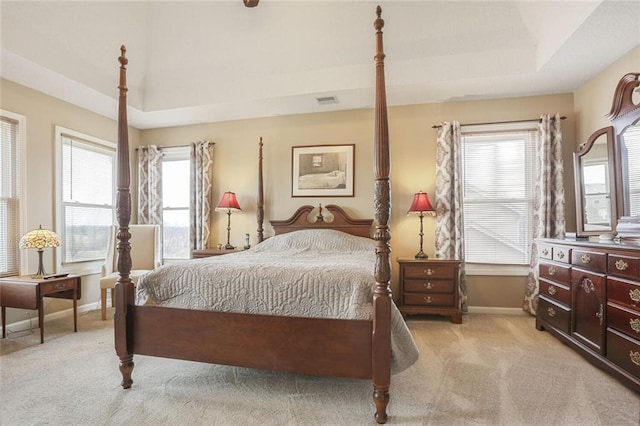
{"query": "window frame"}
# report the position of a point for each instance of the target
(177, 153)
(495, 269)
(80, 267)
(21, 169)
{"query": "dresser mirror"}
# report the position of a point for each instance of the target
(625, 117)
(593, 166)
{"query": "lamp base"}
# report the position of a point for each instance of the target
(421, 255)
(229, 247)
(40, 272)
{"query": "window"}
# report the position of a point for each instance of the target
(85, 192)
(175, 203)
(498, 173)
(11, 204)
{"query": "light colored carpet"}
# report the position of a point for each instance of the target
(490, 370)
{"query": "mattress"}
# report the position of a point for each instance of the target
(307, 273)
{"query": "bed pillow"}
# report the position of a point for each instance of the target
(319, 240)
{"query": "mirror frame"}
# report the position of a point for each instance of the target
(624, 113)
(585, 148)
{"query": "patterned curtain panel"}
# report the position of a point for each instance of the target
(149, 185)
(449, 215)
(548, 214)
(201, 178)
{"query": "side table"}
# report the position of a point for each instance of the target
(24, 292)
(430, 287)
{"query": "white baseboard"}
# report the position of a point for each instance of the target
(495, 310)
(27, 324)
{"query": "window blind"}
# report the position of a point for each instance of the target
(498, 173)
(10, 196)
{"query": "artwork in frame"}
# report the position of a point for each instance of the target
(322, 170)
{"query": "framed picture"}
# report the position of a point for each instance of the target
(322, 171)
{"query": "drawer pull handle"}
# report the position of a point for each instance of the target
(634, 323)
(600, 313)
(635, 295)
(59, 286)
(621, 265)
(545, 252)
(551, 290)
(588, 286)
(428, 271)
(634, 357)
(552, 270)
(428, 286)
(551, 312)
(428, 299)
(585, 258)
(561, 255)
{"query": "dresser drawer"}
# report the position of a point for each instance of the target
(622, 292)
(561, 254)
(428, 270)
(623, 351)
(624, 266)
(555, 272)
(596, 262)
(555, 314)
(545, 251)
(624, 320)
(557, 292)
(428, 286)
(428, 299)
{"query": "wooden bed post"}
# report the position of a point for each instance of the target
(124, 289)
(260, 212)
(381, 357)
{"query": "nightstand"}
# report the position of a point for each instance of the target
(24, 292)
(430, 287)
(197, 254)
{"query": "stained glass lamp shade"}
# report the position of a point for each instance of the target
(39, 239)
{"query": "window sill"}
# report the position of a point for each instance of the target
(496, 270)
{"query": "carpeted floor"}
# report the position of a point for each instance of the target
(490, 370)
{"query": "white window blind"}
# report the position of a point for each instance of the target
(86, 197)
(632, 144)
(175, 203)
(10, 196)
(498, 173)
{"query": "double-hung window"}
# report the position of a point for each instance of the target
(11, 191)
(175, 203)
(498, 174)
(85, 192)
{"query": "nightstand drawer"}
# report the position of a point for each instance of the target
(428, 299)
(58, 285)
(427, 270)
(428, 286)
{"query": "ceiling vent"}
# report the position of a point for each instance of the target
(327, 100)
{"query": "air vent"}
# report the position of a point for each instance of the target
(327, 100)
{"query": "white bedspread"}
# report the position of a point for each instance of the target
(311, 273)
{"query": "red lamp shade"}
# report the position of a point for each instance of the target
(420, 204)
(228, 202)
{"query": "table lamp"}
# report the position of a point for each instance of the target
(419, 207)
(228, 203)
(39, 239)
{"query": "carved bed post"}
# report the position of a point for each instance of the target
(382, 208)
(124, 289)
(260, 212)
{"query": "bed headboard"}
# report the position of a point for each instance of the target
(341, 221)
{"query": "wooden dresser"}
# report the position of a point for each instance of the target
(590, 299)
(430, 287)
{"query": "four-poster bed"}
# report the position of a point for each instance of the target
(341, 347)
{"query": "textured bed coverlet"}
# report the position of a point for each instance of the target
(310, 273)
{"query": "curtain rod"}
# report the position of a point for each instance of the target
(172, 146)
(437, 126)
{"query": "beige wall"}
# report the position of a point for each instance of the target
(43, 113)
(412, 150)
(413, 168)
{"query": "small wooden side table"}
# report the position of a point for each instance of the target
(24, 292)
(430, 287)
(197, 254)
